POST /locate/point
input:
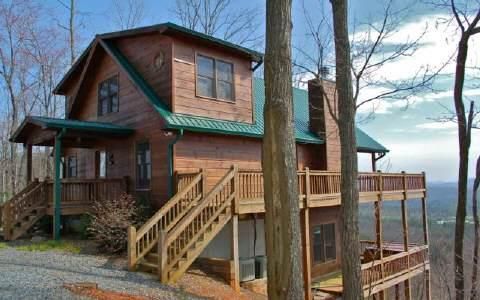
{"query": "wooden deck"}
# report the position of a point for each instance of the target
(322, 188)
(380, 274)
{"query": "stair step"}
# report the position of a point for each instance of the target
(148, 266)
(152, 257)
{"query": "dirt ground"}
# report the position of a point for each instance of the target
(196, 282)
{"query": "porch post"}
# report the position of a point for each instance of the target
(378, 226)
(374, 163)
(426, 239)
(307, 268)
(405, 236)
(57, 186)
(28, 149)
(235, 265)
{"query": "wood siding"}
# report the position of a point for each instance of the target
(134, 112)
(185, 99)
(216, 154)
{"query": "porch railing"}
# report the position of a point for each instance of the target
(325, 183)
(380, 271)
(83, 191)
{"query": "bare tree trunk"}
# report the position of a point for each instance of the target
(476, 185)
(352, 285)
(464, 145)
(71, 31)
(282, 213)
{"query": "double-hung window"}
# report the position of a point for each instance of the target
(214, 78)
(324, 248)
(72, 166)
(108, 96)
(144, 166)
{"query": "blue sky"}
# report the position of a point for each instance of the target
(417, 142)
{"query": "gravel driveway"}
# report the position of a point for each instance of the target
(41, 275)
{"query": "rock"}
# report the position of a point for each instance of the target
(38, 239)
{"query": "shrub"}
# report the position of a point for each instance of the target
(110, 220)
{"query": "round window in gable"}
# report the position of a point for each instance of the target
(159, 60)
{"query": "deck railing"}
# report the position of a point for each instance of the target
(325, 183)
(382, 270)
(83, 191)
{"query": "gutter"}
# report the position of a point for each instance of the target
(170, 162)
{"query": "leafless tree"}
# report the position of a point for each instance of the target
(128, 14)
(16, 19)
(282, 214)
(220, 19)
(476, 236)
(466, 18)
(351, 273)
(371, 51)
(71, 28)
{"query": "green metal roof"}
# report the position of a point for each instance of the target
(55, 123)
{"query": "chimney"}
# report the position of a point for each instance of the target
(321, 121)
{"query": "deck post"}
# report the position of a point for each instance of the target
(132, 246)
(426, 239)
(28, 173)
(57, 186)
(379, 229)
(307, 268)
(162, 256)
(405, 237)
(235, 281)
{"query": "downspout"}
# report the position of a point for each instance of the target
(57, 185)
(170, 162)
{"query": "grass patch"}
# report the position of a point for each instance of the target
(3, 246)
(61, 246)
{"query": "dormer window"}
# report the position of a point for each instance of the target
(108, 96)
(214, 78)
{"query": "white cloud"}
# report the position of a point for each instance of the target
(437, 45)
(437, 125)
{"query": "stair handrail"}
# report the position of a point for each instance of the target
(9, 218)
(142, 241)
(180, 227)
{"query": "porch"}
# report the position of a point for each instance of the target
(37, 200)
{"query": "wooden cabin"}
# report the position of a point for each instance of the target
(175, 118)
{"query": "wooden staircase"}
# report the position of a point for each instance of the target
(178, 233)
(23, 210)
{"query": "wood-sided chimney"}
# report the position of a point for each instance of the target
(321, 121)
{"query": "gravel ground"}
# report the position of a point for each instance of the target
(41, 275)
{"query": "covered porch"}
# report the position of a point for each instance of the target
(60, 196)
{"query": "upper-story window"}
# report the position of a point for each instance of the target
(214, 78)
(324, 243)
(108, 96)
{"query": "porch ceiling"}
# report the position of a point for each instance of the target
(41, 131)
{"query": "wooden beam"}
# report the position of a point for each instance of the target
(374, 162)
(307, 263)
(28, 149)
(405, 245)
(426, 240)
(132, 246)
(57, 186)
(235, 281)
